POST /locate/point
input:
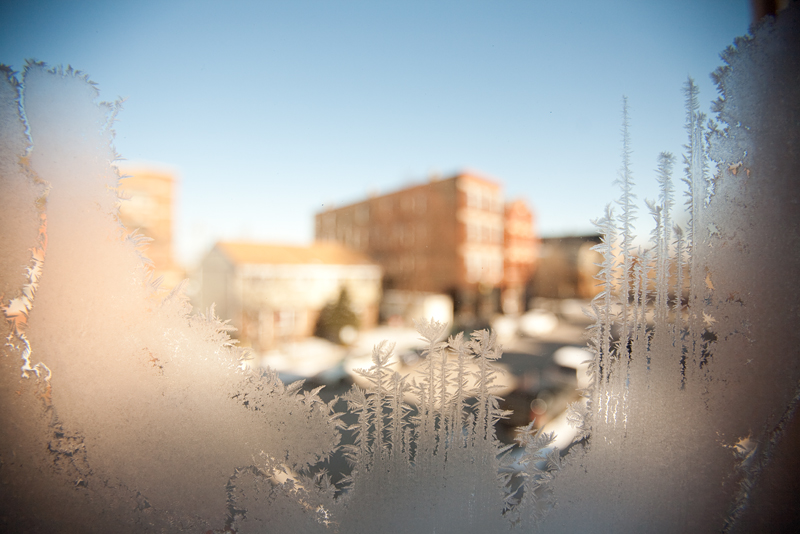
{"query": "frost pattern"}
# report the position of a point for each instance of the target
(691, 415)
(437, 467)
(139, 417)
(146, 420)
(147, 414)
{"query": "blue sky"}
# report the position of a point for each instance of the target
(272, 110)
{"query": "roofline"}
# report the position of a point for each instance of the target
(364, 260)
(433, 178)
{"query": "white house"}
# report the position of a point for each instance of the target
(274, 293)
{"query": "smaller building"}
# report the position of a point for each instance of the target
(274, 293)
(567, 268)
(148, 207)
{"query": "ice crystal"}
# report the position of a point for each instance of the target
(136, 400)
(704, 357)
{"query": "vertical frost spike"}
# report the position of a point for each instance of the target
(626, 219)
(431, 407)
(484, 346)
(536, 477)
(603, 304)
(397, 421)
(690, 91)
(378, 398)
(680, 265)
(358, 454)
(663, 234)
(695, 179)
(461, 348)
(640, 337)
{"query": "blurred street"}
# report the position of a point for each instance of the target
(542, 351)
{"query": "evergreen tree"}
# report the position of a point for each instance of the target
(335, 316)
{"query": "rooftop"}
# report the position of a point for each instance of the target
(461, 176)
(321, 253)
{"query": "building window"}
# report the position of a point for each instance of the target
(473, 265)
(473, 198)
(421, 204)
(473, 233)
(362, 214)
(397, 234)
(422, 234)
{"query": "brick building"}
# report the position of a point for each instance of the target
(567, 268)
(522, 245)
(444, 236)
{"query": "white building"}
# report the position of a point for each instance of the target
(274, 293)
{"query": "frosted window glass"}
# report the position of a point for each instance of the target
(123, 412)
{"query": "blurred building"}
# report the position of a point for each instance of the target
(149, 208)
(521, 244)
(274, 293)
(567, 267)
(445, 236)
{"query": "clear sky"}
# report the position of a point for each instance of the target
(271, 111)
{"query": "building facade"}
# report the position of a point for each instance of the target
(521, 254)
(273, 294)
(567, 268)
(148, 206)
(444, 236)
